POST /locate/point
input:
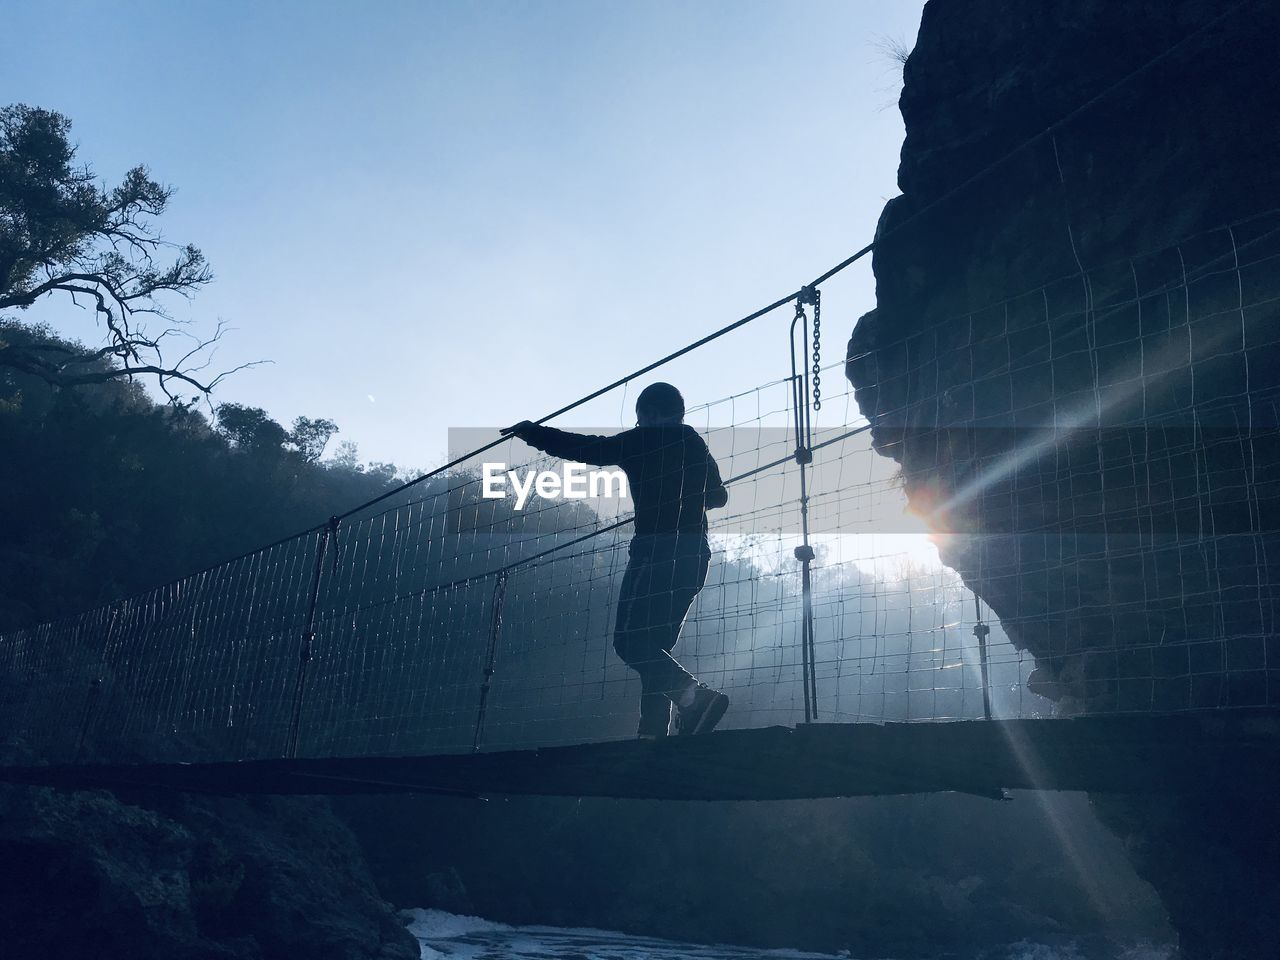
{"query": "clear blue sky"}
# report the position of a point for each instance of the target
(432, 215)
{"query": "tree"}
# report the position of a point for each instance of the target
(62, 233)
(253, 429)
(106, 492)
(310, 437)
(250, 427)
(348, 455)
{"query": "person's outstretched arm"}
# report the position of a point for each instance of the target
(589, 448)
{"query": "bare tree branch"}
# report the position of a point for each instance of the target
(62, 233)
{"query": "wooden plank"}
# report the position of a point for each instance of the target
(1122, 754)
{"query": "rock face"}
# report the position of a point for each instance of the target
(1074, 360)
(1064, 356)
(173, 877)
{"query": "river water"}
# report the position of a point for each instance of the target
(445, 936)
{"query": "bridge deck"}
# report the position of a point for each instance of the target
(1133, 753)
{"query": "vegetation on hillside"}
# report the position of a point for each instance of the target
(108, 492)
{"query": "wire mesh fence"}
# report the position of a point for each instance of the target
(1121, 526)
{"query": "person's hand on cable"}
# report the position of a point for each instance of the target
(519, 430)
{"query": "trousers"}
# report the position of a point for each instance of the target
(664, 574)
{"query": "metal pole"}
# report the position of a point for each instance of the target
(495, 631)
(981, 631)
(804, 456)
(95, 685)
(306, 648)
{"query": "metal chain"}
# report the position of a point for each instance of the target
(813, 295)
(817, 349)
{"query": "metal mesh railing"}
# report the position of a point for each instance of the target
(1121, 527)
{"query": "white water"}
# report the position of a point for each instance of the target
(445, 936)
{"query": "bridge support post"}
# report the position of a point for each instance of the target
(803, 404)
(306, 648)
(981, 631)
(804, 553)
(495, 631)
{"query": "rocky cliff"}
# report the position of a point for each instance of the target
(166, 875)
(1073, 358)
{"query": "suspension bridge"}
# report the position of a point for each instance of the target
(436, 640)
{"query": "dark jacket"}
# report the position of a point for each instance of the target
(671, 475)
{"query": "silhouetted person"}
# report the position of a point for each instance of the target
(673, 481)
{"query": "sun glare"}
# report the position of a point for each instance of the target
(903, 541)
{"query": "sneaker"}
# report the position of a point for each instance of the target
(704, 713)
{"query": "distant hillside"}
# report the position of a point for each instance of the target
(107, 493)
